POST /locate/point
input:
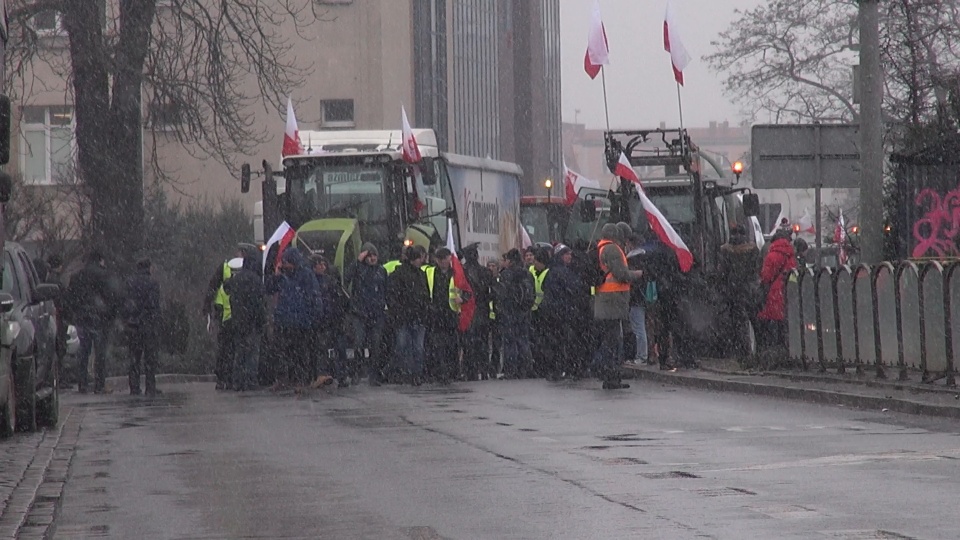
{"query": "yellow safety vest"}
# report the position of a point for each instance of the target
(222, 299)
(493, 314)
(453, 291)
(390, 266)
(538, 286)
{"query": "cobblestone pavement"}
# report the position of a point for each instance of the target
(33, 471)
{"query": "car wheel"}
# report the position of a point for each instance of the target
(25, 375)
(48, 410)
(8, 411)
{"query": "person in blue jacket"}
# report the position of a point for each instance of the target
(298, 306)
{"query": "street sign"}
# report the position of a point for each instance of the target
(803, 156)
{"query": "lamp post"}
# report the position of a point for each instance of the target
(548, 183)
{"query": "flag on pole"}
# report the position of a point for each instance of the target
(806, 222)
(291, 136)
(573, 182)
(598, 50)
(469, 305)
(282, 236)
(525, 240)
(840, 238)
(674, 45)
(664, 230)
(411, 151)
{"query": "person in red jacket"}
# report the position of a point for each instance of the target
(779, 260)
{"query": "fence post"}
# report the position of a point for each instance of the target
(948, 322)
(898, 309)
(857, 359)
(819, 317)
(836, 317)
(878, 347)
(926, 269)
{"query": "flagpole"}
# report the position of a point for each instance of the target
(680, 106)
(606, 110)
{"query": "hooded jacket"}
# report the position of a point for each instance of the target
(249, 313)
(613, 305)
(514, 294)
(93, 297)
(739, 265)
(368, 289)
(298, 300)
(408, 296)
(481, 282)
(564, 293)
(142, 302)
(780, 259)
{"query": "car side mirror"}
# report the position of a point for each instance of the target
(751, 204)
(6, 187)
(4, 130)
(6, 302)
(245, 178)
(46, 292)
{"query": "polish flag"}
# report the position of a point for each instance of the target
(291, 136)
(525, 240)
(806, 222)
(282, 236)
(411, 152)
(840, 238)
(469, 305)
(598, 50)
(665, 232)
(573, 182)
(673, 45)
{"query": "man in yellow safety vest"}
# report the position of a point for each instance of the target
(216, 307)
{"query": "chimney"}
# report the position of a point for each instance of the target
(663, 125)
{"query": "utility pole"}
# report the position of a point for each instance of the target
(871, 134)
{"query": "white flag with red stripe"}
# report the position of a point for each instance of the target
(840, 238)
(674, 45)
(469, 305)
(282, 236)
(806, 224)
(291, 135)
(598, 50)
(664, 230)
(411, 152)
(573, 182)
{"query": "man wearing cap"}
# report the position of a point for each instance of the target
(366, 281)
(611, 305)
(216, 305)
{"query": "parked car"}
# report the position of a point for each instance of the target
(29, 395)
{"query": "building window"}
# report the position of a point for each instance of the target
(47, 23)
(337, 113)
(164, 115)
(46, 147)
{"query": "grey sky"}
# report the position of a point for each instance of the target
(640, 86)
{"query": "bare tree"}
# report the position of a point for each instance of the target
(793, 58)
(202, 66)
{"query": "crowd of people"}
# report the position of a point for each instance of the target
(546, 311)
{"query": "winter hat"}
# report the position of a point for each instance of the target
(625, 230)
(562, 249)
(370, 249)
(610, 231)
(514, 256)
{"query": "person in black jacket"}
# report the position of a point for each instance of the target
(298, 306)
(141, 316)
(91, 306)
(739, 268)
(476, 356)
(249, 317)
(366, 281)
(408, 298)
(514, 298)
(442, 321)
(563, 292)
(329, 330)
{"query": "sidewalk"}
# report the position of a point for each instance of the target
(865, 391)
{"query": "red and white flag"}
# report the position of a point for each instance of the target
(573, 182)
(806, 224)
(525, 240)
(840, 238)
(282, 237)
(469, 305)
(411, 152)
(291, 136)
(674, 45)
(598, 50)
(664, 230)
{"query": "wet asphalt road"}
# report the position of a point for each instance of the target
(503, 460)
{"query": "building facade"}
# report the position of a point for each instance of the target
(473, 70)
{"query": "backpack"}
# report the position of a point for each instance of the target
(594, 275)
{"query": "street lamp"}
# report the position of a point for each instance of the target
(737, 169)
(548, 183)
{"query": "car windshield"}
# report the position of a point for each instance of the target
(536, 221)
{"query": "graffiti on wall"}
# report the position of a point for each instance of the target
(936, 233)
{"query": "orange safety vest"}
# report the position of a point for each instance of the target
(610, 283)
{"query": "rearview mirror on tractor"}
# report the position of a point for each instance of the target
(751, 204)
(245, 178)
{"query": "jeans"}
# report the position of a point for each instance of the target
(142, 345)
(638, 321)
(610, 352)
(367, 334)
(517, 356)
(409, 348)
(225, 351)
(92, 340)
(246, 357)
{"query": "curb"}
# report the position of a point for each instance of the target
(810, 395)
(166, 378)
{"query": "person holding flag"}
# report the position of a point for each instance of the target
(442, 318)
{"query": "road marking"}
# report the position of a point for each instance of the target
(848, 459)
